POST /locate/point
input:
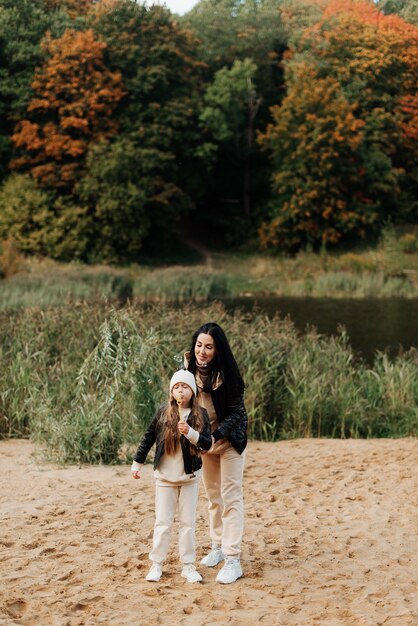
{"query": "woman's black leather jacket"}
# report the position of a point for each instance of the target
(232, 416)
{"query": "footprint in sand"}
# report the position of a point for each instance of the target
(16, 609)
(84, 604)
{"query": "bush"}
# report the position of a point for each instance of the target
(408, 243)
(11, 261)
(24, 213)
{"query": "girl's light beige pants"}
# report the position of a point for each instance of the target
(222, 477)
(167, 500)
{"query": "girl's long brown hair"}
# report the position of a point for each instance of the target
(170, 419)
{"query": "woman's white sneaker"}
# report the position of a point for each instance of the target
(155, 572)
(214, 557)
(230, 572)
(190, 573)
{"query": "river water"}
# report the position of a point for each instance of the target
(372, 324)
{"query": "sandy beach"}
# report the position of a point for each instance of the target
(331, 539)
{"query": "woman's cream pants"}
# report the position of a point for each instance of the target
(222, 477)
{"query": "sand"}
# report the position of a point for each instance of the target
(330, 540)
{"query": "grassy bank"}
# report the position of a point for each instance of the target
(388, 270)
(84, 379)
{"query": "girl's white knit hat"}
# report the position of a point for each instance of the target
(183, 376)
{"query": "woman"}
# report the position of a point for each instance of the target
(221, 390)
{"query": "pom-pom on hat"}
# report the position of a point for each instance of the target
(183, 376)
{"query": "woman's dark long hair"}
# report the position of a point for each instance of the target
(223, 363)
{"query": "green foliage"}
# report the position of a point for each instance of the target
(25, 213)
(323, 390)
(391, 391)
(407, 9)
(228, 120)
(298, 16)
(84, 380)
(32, 289)
(118, 379)
(229, 30)
(158, 116)
(231, 101)
(236, 38)
(40, 223)
(409, 243)
(117, 187)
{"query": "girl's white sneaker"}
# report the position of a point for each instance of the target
(230, 572)
(190, 573)
(155, 572)
(214, 557)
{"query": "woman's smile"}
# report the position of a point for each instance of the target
(204, 349)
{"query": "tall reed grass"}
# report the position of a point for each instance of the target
(22, 291)
(83, 380)
(179, 284)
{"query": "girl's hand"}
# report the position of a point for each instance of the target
(183, 428)
(135, 474)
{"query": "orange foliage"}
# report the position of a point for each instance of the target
(352, 79)
(383, 49)
(314, 140)
(389, 47)
(75, 97)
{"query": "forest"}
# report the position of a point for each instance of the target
(283, 125)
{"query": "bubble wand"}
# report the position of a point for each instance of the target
(179, 403)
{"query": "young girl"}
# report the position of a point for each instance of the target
(180, 430)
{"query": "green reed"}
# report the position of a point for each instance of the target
(179, 284)
(83, 380)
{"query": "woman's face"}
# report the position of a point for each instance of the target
(204, 350)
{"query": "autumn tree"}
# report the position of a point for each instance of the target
(314, 141)
(23, 24)
(375, 59)
(111, 131)
(370, 63)
(75, 96)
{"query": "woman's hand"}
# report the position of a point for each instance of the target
(135, 474)
(184, 428)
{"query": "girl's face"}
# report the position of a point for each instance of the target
(182, 392)
(204, 349)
